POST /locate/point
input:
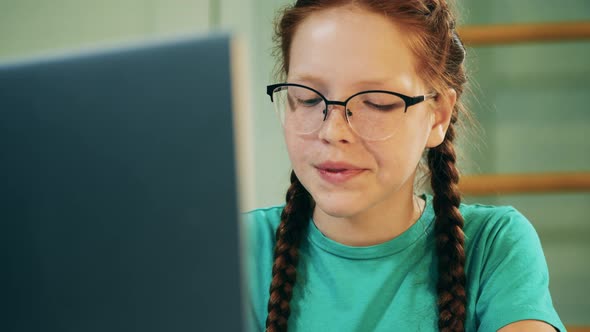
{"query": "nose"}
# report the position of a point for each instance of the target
(335, 127)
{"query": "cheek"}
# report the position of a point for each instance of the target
(296, 148)
(299, 150)
(390, 160)
(401, 154)
(416, 134)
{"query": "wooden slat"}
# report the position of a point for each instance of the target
(578, 328)
(492, 184)
(522, 33)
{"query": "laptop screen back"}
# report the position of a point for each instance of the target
(118, 205)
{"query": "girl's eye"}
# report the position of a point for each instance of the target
(383, 107)
(309, 102)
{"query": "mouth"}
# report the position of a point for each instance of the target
(337, 173)
(334, 170)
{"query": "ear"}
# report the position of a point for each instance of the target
(442, 111)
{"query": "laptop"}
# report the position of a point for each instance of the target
(118, 190)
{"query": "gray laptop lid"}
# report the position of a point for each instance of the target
(118, 207)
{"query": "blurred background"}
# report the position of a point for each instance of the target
(530, 98)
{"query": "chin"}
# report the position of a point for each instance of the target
(339, 207)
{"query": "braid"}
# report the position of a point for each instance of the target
(451, 286)
(294, 219)
(452, 299)
(449, 234)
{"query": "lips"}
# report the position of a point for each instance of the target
(338, 172)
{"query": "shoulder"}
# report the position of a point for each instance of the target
(259, 227)
(506, 268)
(481, 215)
(498, 241)
(496, 226)
(263, 220)
(258, 230)
(269, 214)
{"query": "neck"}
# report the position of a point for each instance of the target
(377, 224)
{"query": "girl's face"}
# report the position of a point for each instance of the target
(339, 52)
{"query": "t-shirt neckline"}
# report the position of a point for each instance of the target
(422, 227)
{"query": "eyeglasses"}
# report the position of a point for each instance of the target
(373, 115)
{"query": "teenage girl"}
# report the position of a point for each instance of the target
(372, 88)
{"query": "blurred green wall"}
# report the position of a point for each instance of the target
(38, 27)
(531, 100)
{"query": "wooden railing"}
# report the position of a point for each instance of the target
(577, 329)
(477, 35)
(501, 184)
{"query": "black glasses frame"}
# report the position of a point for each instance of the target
(409, 101)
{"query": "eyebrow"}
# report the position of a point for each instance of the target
(320, 81)
(308, 78)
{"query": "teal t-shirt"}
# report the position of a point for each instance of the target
(392, 286)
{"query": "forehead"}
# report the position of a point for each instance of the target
(351, 47)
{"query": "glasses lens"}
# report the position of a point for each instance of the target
(301, 110)
(376, 115)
